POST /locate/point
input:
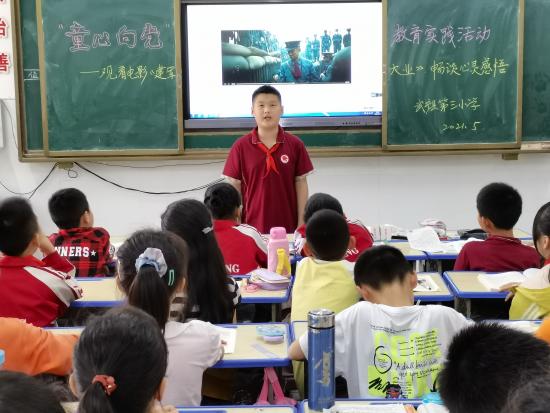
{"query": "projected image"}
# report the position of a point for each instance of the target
(261, 56)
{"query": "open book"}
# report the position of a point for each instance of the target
(505, 280)
(426, 239)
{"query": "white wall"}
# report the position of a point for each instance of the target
(398, 190)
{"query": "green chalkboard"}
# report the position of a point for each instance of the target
(453, 73)
(109, 75)
(536, 72)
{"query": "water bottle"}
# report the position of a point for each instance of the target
(2, 358)
(278, 259)
(320, 359)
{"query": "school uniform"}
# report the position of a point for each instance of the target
(37, 291)
(497, 254)
(363, 239)
(33, 350)
(377, 345)
(193, 347)
(268, 178)
(242, 246)
(88, 249)
(532, 297)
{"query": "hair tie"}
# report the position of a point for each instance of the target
(206, 230)
(153, 257)
(107, 382)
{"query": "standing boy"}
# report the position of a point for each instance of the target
(499, 208)
(269, 167)
(386, 342)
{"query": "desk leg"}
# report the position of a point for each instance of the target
(440, 266)
(468, 308)
(274, 311)
(457, 303)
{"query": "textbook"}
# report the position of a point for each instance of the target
(505, 280)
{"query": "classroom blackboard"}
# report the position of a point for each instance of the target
(453, 73)
(110, 77)
(536, 72)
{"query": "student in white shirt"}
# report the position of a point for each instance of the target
(152, 268)
(386, 342)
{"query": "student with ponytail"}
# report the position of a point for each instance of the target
(119, 364)
(211, 294)
(152, 269)
(242, 246)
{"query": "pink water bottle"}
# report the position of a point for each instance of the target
(278, 258)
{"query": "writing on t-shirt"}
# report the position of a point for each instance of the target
(404, 366)
(74, 251)
(233, 268)
(351, 252)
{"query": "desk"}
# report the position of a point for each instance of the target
(72, 407)
(465, 285)
(527, 326)
(273, 297)
(410, 253)
(357, 403)
(434, 296)
(452, 234)
(99, 292)
(250, 349)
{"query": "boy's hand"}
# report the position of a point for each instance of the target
(45, 245)
(158, 408)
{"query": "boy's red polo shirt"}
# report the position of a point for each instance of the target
(268, 200)
(497, 254)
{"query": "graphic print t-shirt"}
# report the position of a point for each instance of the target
(392, 352)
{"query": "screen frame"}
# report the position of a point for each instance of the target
(306, 122)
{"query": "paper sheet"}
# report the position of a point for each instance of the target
(229, 335)
(424, 239)
(425, 283)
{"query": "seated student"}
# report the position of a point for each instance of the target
(35, 290)
(33, 350)
(20, 393)
(152, 268)
(387, 340)
(87, 247)
(532, 297)
(120, 364)
(324, 279)
(361, 235)
(485, 363)
(211, 295)
(242, 246)
(499, 208)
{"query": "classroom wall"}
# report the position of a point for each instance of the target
(401, 190)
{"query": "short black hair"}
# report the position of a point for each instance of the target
(500, 203)
(489, 354)
(380, 265)
(66, 206)
(327, 234)
(320, 201)
(222, 199)
(530, 397)
(268, 90)
(18, 226)
(20, 393)
(541, 223)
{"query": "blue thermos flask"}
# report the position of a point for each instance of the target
(320, 358)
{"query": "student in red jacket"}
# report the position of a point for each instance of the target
(87, 247)
(357, 231)
(242, 246)
(499, 208)
(38, 291)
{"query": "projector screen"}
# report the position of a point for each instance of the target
(324, 58)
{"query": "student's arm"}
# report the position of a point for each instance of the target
(35, 350)
(301, 197)
(52, 258)
(295, 351)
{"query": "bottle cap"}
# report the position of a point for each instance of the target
(277, 232)
(432, 397)
(321, 318)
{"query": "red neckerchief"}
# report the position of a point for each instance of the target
(296, 70)
(269, 161)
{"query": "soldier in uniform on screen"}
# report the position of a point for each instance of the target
(347, 38)
(309, 50)
(325, 42)
(297, 69)
(316, 48)
(337, 41)
(325, 67)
